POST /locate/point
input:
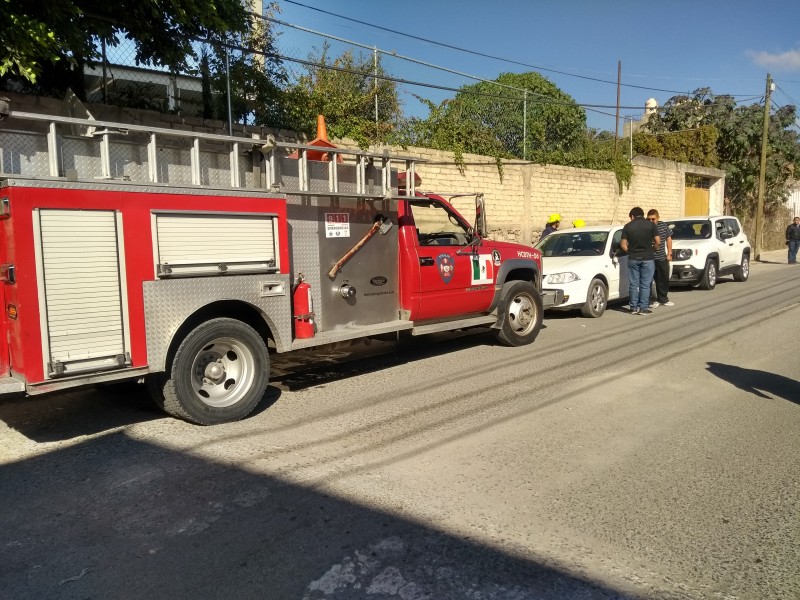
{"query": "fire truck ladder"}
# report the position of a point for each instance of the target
(39, 146)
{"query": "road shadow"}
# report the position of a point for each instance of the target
(115, 517)
(60, 416)
(67, 415)
(759, 383)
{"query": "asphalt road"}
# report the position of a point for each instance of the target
(621, 457)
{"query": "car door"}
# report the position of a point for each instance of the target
(617, 270)
(726, 242)
(454, 277)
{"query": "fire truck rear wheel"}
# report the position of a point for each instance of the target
(219, 374)
(521, 310)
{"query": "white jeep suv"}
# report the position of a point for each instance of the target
(706, 248)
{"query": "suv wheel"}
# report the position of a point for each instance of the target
(744, 269)
(709, 280)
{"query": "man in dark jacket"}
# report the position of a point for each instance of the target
(793, 240)
(640, 239)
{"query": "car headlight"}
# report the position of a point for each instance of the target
(682, 254)
(561, 278)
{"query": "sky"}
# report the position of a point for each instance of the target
(665, 48)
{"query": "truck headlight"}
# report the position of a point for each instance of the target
(561, 278)
(682, 254)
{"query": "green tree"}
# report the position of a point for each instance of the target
(60, 34)
(489, 118)
(343, 89)
(738, 144)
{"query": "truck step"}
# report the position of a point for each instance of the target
(350, 333)
(451, 325)
(9, 385)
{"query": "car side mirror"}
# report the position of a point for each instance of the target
(725, 235)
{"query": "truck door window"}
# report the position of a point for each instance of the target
(436, 226)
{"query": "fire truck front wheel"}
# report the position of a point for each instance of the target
(521, 312)
(219, 374)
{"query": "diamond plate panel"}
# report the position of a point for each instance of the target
(169, 302)
(129, 161)
(82, 155)
(303, 217)
(174, 166)
(24, 154)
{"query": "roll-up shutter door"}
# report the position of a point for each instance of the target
(82, 292)
(209, 244)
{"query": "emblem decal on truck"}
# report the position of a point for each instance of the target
(446, 266)
(378, 280)
(482, 271)
(496, 258)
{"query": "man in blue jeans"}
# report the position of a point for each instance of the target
(640, 239)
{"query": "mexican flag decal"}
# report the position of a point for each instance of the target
(482, 269)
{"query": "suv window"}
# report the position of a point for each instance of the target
(690, 230)
(733, 225)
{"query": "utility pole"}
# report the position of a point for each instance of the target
(616, 121)
(762, 176)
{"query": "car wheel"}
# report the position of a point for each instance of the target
(596, 299)
(743, 273)
(218, 375)
(709, 280)
(521, 312)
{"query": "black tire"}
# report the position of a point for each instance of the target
(709, 280)
(743, 272)
(520, 310)
(219, 374)
(596, 299)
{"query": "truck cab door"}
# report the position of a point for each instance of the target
(455, 278)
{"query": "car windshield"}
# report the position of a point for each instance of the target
(690, 230)
(584, 243)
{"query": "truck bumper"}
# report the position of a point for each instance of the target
(552, 298)
(685, 274)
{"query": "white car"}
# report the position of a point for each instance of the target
(583, 264)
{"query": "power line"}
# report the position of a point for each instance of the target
(483, 55)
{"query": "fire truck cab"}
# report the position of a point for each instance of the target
(184, 259)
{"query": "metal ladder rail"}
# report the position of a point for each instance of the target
(268, 148)
(360, 159)
(110, 128)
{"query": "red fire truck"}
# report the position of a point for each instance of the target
(183, 259)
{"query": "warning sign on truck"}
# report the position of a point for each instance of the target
(337, 225)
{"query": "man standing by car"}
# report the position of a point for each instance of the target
(663, 254)
(793, 240)
(639, 240)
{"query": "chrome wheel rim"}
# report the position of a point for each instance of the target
(712, 273)
(522, 314)
(222, 372)
(597, 299)
(745, 267)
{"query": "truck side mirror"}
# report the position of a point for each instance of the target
(480, 216)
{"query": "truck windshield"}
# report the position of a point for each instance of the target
(585, 243)
(436, 226)
(690, 230)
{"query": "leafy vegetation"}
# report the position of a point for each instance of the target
(344, 89)
(713, 131)
(58, 34)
